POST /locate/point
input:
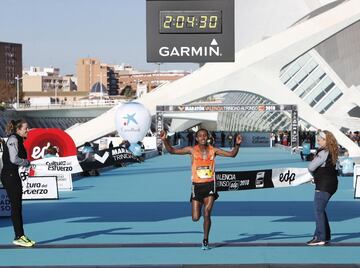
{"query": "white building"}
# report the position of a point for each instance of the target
(47, 80)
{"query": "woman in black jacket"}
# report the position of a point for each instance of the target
(323, 169)
(14, 156)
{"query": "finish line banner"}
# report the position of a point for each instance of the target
(259, 179)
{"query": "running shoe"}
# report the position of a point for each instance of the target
(23, 241)
(205, 245)
(315, 242)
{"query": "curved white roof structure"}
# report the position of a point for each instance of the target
(286, 68)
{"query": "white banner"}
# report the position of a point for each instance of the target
(40, 187)
(149, 143)
(34, 188)
(285, 177)
(56, 165)
(260, 179)
(64, 181)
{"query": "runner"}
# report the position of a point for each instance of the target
(203, 175)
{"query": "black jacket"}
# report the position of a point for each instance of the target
(20, 158)
(326, 177)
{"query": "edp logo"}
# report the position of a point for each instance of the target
(287, 177)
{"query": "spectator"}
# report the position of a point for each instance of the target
(51, 151)
(323, 169)
(190, 137)
(111, 145)
(88, 156)
(222, 139)
(213, 135)
(305, 153)
(230, 139)
(125, 144)
(346, 165)
(142, 156)
(15, 156)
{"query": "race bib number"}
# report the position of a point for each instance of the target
(204, 172)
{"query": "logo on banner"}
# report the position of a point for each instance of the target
(284, 177)
(130, 118)
(260, 179)
(39, 139)
(191, 51)
(103, 158)
(121, 154)
(287, 177)
(230, 182)
(59, 166)
(39, 187)
(234, 186)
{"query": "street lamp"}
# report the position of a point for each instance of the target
(101, 89)
(17, 78)
(55, 89)
(158, 73)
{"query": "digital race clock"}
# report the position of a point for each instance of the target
(190, 30)
(190, 21)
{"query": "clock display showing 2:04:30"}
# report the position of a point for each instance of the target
(190, 21)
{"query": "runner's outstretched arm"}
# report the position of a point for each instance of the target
(231, 153)
(171, 149)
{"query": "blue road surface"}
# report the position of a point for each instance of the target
(141, 215)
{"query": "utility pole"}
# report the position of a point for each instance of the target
(17, 91)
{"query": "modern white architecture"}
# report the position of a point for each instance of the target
(303, 52)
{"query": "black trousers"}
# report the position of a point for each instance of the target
(12, 184)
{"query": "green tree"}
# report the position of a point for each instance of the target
(128, 92)
(7, 91)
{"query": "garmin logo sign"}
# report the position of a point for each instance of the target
(212, 51)
(190, 31)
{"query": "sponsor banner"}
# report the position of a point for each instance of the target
(258, 179)
(40, 187)
(159, 128)
(110, 157)
(357, 181)
(56, 165)
(224, 108)
(284, 177)
(5, 207)
(294, 128)
(37, 187)
(243, 180)
(34, 188)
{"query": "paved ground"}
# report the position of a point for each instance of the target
(140, 215)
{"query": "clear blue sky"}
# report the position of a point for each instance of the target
(59, 32)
